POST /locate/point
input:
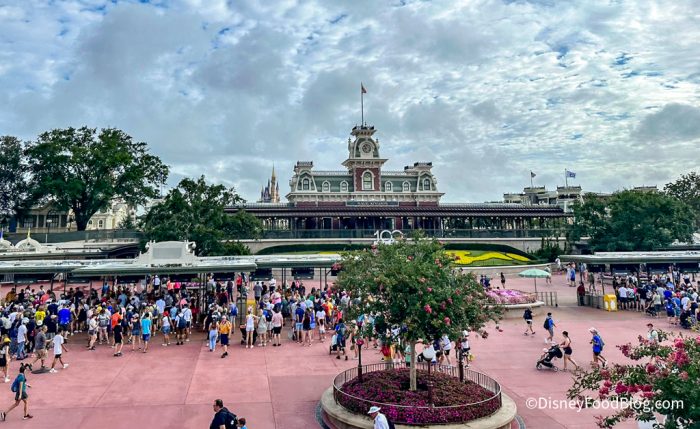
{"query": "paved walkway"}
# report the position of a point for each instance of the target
(279, 387)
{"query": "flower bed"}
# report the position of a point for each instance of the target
(510, 297)
(453, 401)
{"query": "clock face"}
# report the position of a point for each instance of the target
(366, 148)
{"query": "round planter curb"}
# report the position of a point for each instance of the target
(515, 311)
(341, 418)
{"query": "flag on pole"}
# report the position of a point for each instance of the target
(362, 88)
(570, 174)
(532, 175)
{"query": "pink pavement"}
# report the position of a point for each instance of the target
(279, 387)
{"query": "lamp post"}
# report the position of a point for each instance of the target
(359, 344)
(48, 229)
(429, 355)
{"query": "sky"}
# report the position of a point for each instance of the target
(488, 90)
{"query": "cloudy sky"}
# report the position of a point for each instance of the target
(486, 89)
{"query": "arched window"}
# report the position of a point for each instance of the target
(426, 184)
(406, 187)
(100, 224)
(388, 187)
(343, 186)
(90, 222)
(326, 187)
(367, 181)
(305, 184)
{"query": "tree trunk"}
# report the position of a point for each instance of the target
(413, 384)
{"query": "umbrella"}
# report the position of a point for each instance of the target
(534, 273)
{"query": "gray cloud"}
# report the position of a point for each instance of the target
(487, 93)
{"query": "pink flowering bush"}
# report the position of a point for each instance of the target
(509, 297)
(413, 407)
(665, 376)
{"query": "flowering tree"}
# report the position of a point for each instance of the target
(411, 284)
(664, 381)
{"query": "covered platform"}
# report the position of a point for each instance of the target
(687, 261)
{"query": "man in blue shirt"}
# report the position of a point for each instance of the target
(64, 318)
(146, 330)
(299, 319)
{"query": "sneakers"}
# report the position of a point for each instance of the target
(7, 380)
(53, 371)
(65, 365)
(2, 416)
(28, 416)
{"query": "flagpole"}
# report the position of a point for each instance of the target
(531, 185)
(566, 178)
(362, 105)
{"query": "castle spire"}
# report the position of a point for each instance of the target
(273, 172)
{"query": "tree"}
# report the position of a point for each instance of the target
(687, 189)
(663, 381)
(632, 220)
(411, 284)
(194, 210)
(14, 188)
(81, 170)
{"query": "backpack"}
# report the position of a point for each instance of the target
(268, 315)
(181, 322)
(230, 419)
(546, 323)
(104, 322)
(390, 423)
(15, 385)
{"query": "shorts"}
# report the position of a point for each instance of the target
(568, 351)
(146, 337)
(3, 363)
(596, 353)
(276, 329)
(250, 328)
(670, 313)
(465, 352)
(298, 326)
(57, 356)
(92, 332)
(63, 326)
(24, 396)
(166, 330)
(224, 339)
(313, 325)
(189, 324)
(321, 329)
(551, 332)
(135, 333)
(118, 338)
(41, 354)
(528, 321)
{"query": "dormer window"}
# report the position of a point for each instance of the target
(426, 184)
(388, 187)
(343, 186)
(367, 181)
(305, 184)
(326, 187)
(406, 187)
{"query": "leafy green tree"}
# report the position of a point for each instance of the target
(194, 210)
(412, 284)
(242, 225)
(687, 189)
(632, 220)
(83, 170)
(14, 187)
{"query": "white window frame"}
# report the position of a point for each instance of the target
(388, 187)
(305, 184)
(344, 186)
(371, 176)
(406, 187)
(100, 224)
(428, 182)
(326, 186)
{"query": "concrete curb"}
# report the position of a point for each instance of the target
(341, 418)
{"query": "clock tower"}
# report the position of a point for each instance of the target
(364, 163)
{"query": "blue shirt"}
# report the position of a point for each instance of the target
(146, 326)
(64, 316)
(299, 315)
(597, 344)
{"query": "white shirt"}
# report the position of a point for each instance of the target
(57, 343)
(623, 292)
(446, 343)
(187, 314)
(22, 333)
(380, 422)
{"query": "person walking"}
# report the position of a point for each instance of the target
(250, 320)
(146, 326)
(58, 348)
(5, 356)
(118, 334)
(549, 326)
(19, 386)
(277, 322)
(380, 421)
(225, 329)
(503, 281)
(566, 346)
(527, 315)
(40, 346)
(213, 333)
(223, 418)
(598, 344)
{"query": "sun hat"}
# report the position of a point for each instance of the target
(6, 340)
(592, 330)
(373, 409)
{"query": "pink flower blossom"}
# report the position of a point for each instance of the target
(650, 368)
(683, 375)
(428, 309)
(678, 343)
(648, 395)
(410, 258)
(620, 388)
(449, 300)
(448, 322)
(604, 391)
(607, 383)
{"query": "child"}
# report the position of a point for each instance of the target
(58, 348)
(241, 423)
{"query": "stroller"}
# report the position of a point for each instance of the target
(547, 356)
